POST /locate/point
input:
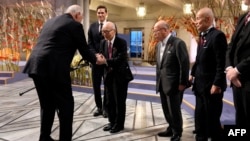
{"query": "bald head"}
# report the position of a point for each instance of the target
(161, 30)
(161, 24)
(109, 30)
(206, 12)
(109, 25)
(204, 19)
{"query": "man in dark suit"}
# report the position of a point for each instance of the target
(209, 77)
(238, 69)
(49, 67)
(114, 49)
(94, 38)
(172, 77)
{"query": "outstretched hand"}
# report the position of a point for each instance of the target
(100, 59)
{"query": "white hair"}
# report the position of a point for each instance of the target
(74, 9)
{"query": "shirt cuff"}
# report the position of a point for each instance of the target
(229, 67)
(237, 70)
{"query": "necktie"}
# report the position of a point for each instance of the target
(247, 17)
(200, 43)
(110, 50)
(100, 28)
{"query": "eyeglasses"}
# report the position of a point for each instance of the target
(106, 31)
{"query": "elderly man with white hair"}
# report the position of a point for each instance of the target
(49, 67)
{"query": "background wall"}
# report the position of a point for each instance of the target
(123, 15)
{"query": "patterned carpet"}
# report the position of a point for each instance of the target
(20, 121)
(20, 117)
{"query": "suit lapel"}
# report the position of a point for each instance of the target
(104, 46)
(241, 24)
(158, 54)
(246, 35)
(167, 46)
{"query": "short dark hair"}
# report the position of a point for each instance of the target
(102, 7)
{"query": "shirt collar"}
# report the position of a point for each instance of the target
(102, 22)
(112, 41)
(164, 42)
(205, 32)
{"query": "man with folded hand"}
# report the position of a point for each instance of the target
(172, 71)
(238, 69)
(209, 77)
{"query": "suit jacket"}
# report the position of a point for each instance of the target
(94, 37)
(209, 66)
(116, 66)
(238, 54)
(173, 70)
(59, 39)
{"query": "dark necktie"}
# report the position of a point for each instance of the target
(202, 41)
(247, 17)
(100, 30)
(110, 50)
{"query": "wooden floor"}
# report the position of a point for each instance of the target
(20, 118)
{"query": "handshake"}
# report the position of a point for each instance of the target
(100, 59)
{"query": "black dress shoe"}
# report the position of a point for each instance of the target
(175, 138)
(47, 139)
(98, 112)
(108, 127)
(167, 133)
(116, 129)
(200, 138)
(194, 131)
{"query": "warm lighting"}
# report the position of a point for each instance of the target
(141, 10)
(187, 8)
(243, 6)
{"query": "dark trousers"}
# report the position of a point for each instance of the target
(55, 96)
(208, 110)
(116, 102)
(97, 76)
(171, 105)
(242, 105)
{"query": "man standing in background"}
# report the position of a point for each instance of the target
(238, 69)
(171, 77)
(94, 38)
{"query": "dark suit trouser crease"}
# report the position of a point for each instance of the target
(242, 105)
(97, 76)
(171, 105)
(116, 103)
(207, 115)
(55, 97)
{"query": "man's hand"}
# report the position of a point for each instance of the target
(236, 82)
(182, 87)
(215, 90)
(100, 59)
(232, 75)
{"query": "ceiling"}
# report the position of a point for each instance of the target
(119, 10)
(126, 9)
